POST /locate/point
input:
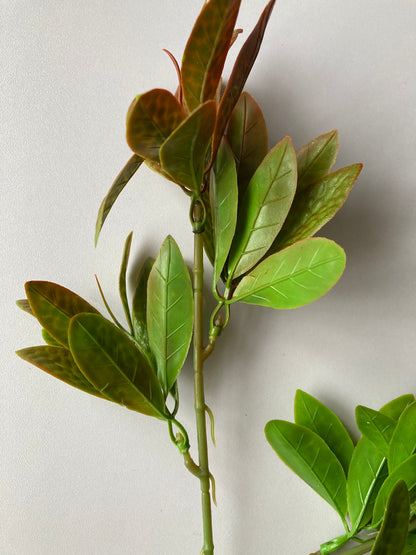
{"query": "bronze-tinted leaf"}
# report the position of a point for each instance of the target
(139, 311)
(206, 50)
(24, 305)
(238, 78)
(122, 281)
(151, 118)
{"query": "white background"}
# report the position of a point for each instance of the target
(84, 477)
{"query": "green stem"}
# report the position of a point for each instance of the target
(200, 407)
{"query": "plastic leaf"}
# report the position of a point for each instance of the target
(311, 459)
(169, 312)
(183, 154)
(58, 362)
(24, 305)
(316, 159)
(151, 118)
(49, 340)
(54, 306)
(407, 472)
(293, 277)
(410, 548)
(315, 205)
(114, 365)
(239, 74)
(391, 540)
(224, 202)
(208, 233)
(312, 414)
(120, 182)
(206, 50)
(403, 442)
(140, 306)
(122, 282)
(247, 135)
(264, 208)
(396, 407)
(376, 426)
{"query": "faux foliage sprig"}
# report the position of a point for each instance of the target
(252, 210)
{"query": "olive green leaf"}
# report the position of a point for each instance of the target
(407, 472)
(312, 414)
(182, 155)
(49, 340)
(54, 306)
(264, 208)
(169, 312)
(247, 135)
(376, 426)
(24, 305)
(391, 540)
(140, 306)
(316, 159)
(293, 277)
(238, 77)
(311, 459)
(315, 205)
(122, 282)
(151, 118)
(114, 365)
(58, 362)
(208, 233)
(403, 442)
(224, 202)
(410, 548)
(206, 50)
(120, 182)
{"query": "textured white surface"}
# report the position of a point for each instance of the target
(84, 477)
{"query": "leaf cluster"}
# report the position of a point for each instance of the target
(372, 484)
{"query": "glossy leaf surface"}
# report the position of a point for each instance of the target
(151, 118)
(392, 537)
(239, 74)
(406, 472)
(376, 426)
(206, 50)
(247, 135)
(140, 306)
(58, 362)
(24, 305)
(403, 442)
(114, 365)
(264, 208)
(169, 312)
(312, 414)
(224, 202)
(311, 459)
(120, 182)
(183, 154)
(316, 159)
(293, 277)
(49, 340)
(54, 306)
(315, 205)
(122, 281)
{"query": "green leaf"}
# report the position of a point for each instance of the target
(396, 407)
(169, 312)
(391, 540)
(315, 205)
(54, 306)
(140, 306)
(208, 233)
(238, 77)
(264, 208)
(206, 50)
(114, 365)
(122, 282)
(410, 548)
(376, 426)
(24, 305)
(316, 159)
(403, 442)
(224, 202)
(407, 472)
(182, 155)
(247, 135)
(293, 277)
(151, 119)
(312, 414)
(58, 362)
(120, 182)
(311, 459)
(49, 340)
